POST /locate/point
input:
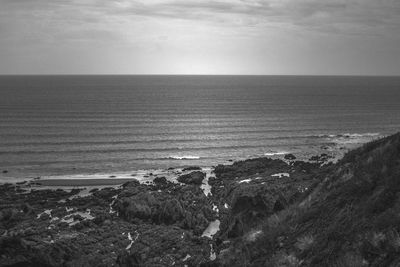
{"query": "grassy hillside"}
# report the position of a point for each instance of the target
(350, 218)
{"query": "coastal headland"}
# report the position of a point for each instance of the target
(255, 212)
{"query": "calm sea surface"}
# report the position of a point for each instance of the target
(66, 125)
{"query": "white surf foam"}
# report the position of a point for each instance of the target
(278, 153)
(184, 157)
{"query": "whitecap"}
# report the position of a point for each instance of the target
(184, 157)
(275, 153)
(357, 135)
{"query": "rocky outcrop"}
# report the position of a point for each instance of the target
(252, 192)
(185, 206)
(195, 177)
(192, 168)
(166, 246)
(106, 228)
(290, 157)
(250, 204)
(249, 167)
(347, 218)
(262, 212)
(160, 180)
(323, 158)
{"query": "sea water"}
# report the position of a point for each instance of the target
(104, 125)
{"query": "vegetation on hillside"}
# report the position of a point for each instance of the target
(350, 218)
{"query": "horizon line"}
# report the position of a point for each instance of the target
(288, 75)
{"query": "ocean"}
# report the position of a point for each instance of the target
(116, 125)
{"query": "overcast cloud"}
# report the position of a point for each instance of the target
(200, 37)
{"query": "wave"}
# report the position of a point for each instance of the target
(134, 150)
(176, 139)
(210, 131)
(275, 153)
(348, 135)
(334, 138)
(184, 157)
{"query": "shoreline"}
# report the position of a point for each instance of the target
(349, 142)
(190, 207)
(102, 180)
(194, 217)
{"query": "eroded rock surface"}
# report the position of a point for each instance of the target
(195, 177)
(159, 223)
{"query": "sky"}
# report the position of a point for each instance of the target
(256, 37)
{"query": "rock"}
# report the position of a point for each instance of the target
(307, 167)
(250, 204)
(77, 217)
(5, 171)
(290, 157)
(160, 180)
(154, 224)
(192, 168)
(174, 204)
(93, 190)
(249, 167)
(195, 177)
(321, 158)
(171, 211)
(170, 220)
(139, 206)
(354, 202)
(132, 183)
(164, 246)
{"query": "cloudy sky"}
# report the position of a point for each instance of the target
(200, 37)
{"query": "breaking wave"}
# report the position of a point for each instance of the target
(184, 157)
(275, 153)
(349, 135)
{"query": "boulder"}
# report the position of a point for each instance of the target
(290, 157)
(250, 204)
(192, 168)
(321, 158)
(249, 167)
(138, 206)
(160, 180)
(174, 204)
(195, 177)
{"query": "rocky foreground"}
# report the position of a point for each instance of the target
(258, 212)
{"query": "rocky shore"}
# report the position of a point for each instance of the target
(217, 217)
